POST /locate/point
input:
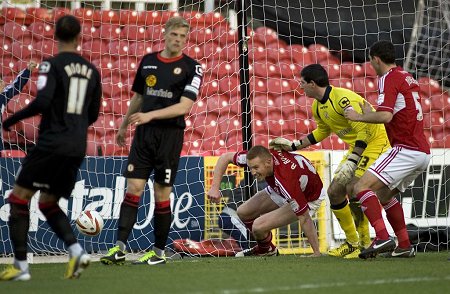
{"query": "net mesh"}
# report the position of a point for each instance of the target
(115, 37)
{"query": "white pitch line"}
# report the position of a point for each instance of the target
(328, 285)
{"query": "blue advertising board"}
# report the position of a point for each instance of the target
(101, 186)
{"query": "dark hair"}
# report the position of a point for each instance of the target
(258, 151)
(384, 50)
(316, 73)
(67, 28)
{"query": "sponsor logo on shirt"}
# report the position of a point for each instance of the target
(159, 93)
(177, 70)
(151, 80)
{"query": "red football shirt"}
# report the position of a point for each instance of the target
(294, 177)
(398, 93)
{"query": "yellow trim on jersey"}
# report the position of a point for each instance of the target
(329, 117)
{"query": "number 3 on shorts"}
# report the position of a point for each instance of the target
(168, 174)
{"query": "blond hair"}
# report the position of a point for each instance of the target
(175, 23)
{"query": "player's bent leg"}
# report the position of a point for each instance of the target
(262, 228)
(12, 273)
(258, 204)
(76, 265)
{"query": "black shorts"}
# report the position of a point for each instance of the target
(51, 173)
(158, 149)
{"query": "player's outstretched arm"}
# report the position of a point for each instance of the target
(219, 170)
(288, 145)
(310, 231)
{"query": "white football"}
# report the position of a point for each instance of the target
(89, 223)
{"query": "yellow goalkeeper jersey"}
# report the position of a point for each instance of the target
(329, 116)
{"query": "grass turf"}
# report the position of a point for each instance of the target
(427, 273)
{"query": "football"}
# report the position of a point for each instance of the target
(89, 223)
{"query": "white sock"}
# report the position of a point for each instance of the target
(21, 264)
(75, 249)
(159, 252)
(121, 245)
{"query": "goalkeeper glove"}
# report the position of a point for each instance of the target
(346, 171)
(284, 144)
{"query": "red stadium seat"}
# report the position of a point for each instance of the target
(278, 86)
(288, 70)
(118, 48)
(261, 54)
(229, 85)
(201, 35)
(109, 32)
(130, 64)
(12, 153)
(95, 48)
(217, 103)
(87, 15)
(155, 33)
(258, 85)
(109, 17)
(319, 53)
(266, 70)
(15, 31)
(225, 36)
(18, 102)
(156, 17)
(214, 19)
(209, 87)
(89, 32)
(130, 17)
(194, 51)
(46, 48)
(351, 70)
(140, 48)
(40, 30)
(105, 124)
(58, 12)
(199, 107)
(265, 36)
(278, 52)
(21, 51)
(16, 15)
(222, 68)
(300, 55)
(429, 87)
(363, 85)
(368, 70)
(134, 33)
(39, 14)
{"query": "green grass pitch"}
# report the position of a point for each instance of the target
(426, 274)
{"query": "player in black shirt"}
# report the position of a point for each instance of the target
(68, 98)
(166, 85)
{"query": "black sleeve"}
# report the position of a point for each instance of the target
(139, 82)
(94, 107)
(35, 107)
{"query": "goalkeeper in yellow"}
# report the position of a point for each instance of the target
(366, 141)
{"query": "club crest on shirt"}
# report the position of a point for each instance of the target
(176, 70)
(130, 167)
(344, 102)
(151, 80)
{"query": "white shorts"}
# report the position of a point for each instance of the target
(399, 167)
(280, 200)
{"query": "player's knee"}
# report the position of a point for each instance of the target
(334, 195)
(258, 229)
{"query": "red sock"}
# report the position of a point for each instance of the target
(249, 224)
(396, 218)
(265, 244)
(372, 209)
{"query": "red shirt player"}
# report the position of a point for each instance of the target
(400, 110)
(294, 192)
